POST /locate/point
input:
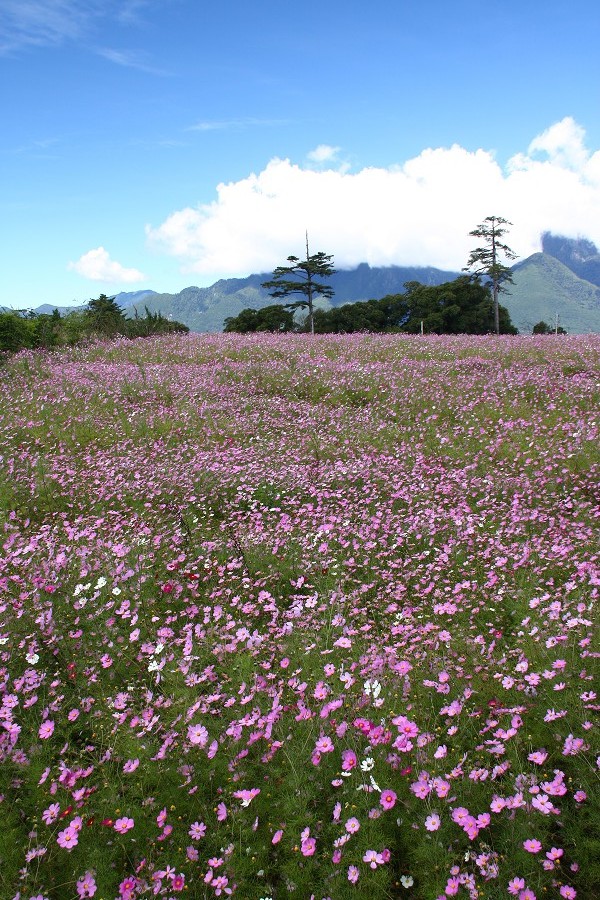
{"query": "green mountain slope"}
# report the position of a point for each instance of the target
(544, 288)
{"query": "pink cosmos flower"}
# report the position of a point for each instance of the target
(352, 825)
(67, 838)
(433, 822)
(568, 892)
(539, 757)
(197, 830)
(308, 846)
(51, 814)
(277, 836)
(124, 824)
(349, 760)
(353, 874)
(324, 745)
(246, 796)
(532, 845)
(131, 765)
(388, 799)
(221, 812)
(86, 886)
(46, 729)
(197, 734)
(515, 885)
(178, 883)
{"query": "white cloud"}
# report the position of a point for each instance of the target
(416, 213)
(98, 266)
(323, 153)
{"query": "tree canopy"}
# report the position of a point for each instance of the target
(462, 306)
(301, 278)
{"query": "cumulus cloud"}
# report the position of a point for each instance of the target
(98, 266)
(418, 212)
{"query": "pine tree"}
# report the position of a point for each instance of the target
(299, 278)
(485, 260)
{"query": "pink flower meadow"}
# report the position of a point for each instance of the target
(270, 606)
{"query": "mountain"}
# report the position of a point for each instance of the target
(580, 256)
(563, 279)
(543, 288)
(128, 298)
(205, 309)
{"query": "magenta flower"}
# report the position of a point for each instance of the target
(86, 886)
(197, 830)
(352, 825)
(308, 846)
(388, 799)
(221, 812)
(246, 796)
(67, 838)
(433, 822)
(197, 734)
(353, 874)
(532, 845)
(123, 825)
(46, 729)
(515, 885)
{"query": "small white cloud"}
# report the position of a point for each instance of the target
(98, 266)
(323, 153)
(419, 212)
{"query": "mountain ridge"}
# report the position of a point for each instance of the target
(562, 279)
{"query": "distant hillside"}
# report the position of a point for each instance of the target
(564, 279)
(205, 309)
(580, 256)
(543, 288)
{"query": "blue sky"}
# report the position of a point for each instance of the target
(150, 144)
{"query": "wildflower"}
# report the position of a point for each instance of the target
(407, 881)
(197, 734)
(86, 886)
(197, 830)
(46, 729)
(515, 885)
(353, 874)
(246, 796)
(352, 825)
(123, 825)
(221, 812)
(51, 814)
(433, 822)
(67, 838)
(568, 892)
(388, 799)
(277, 836)
(308, 846)
(131, 765)
(532, 845)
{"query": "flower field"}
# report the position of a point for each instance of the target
(308, 618)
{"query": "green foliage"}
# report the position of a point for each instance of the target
(153, 324)
(275, 318)
(16, 332)
(486, 260)
(299, 278)
(105, 317)
(462, 306)
(543, 328)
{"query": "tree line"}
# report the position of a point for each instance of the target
(102, 318)
(467, 305)
(462, 306)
